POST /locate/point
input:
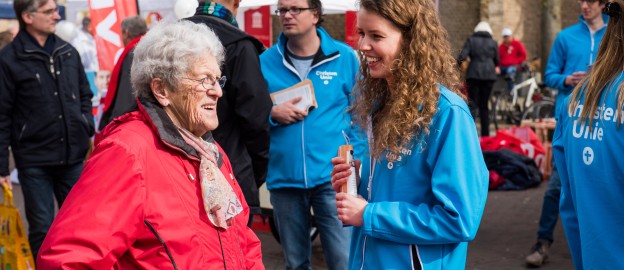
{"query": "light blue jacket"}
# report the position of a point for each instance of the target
(575, 48)
(591, 168)
(424, 209)
(301, 153)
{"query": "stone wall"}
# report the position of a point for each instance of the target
(459, 18)
(524, 17)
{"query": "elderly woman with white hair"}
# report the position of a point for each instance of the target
(158, 192)
(482, 72)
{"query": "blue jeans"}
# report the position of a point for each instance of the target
(509, 73)
(291, 209)
(550, 208)
(40, 185)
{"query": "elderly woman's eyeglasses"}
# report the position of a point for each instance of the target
(293, 11)
(209, 82)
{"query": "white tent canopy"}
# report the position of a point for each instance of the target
(329, 6)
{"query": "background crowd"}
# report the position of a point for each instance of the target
(188, 132)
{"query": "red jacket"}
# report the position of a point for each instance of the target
(138, 205)
(514, 54)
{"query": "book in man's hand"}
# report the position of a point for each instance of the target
(304, 89)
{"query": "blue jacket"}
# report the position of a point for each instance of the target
(575, 48)
(592, 183)
(301, 152)
(423, 209)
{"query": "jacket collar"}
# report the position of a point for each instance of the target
(226, 32)
(483, 34)
(161, 124)
(327, 52)
(27, 44)
(605, 18)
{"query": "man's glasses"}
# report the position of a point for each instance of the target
(209, 82)
(293, 11)
(48, 11)
(588, 1)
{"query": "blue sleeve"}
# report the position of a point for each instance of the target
(553, 75)
(459, 186)
(358, 139)
(567, 208)
(273, 123)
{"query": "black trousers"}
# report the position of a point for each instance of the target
(479, 95)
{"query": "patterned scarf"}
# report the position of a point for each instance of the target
(220, 201)
(216, 10)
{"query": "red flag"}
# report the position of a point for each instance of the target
(351, 35)
(258, 24)
(106, 17)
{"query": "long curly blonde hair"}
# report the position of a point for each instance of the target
(406, 111)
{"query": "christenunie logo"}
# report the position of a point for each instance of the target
(326, 76)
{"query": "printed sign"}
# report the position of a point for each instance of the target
(258, 24)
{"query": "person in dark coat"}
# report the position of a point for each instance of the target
(482, 50)
(244, 109)
(119, 97)
(45, 114)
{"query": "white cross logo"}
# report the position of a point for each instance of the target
(588, 156)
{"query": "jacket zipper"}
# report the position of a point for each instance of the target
(371, 171)
(149, 225)
(369, 189)
(593, 44)
(85, 119)
(416, 261)
(21, 133)
(52, 67)
(221, 245)
(305, 169)
(241, 255)
(363, 251)
(292, 69)
(51, 57)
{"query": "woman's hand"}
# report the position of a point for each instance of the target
(341, 172)
(350, 209)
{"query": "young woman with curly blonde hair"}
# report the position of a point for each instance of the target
(425, 184)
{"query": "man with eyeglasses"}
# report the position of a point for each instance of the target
(571, 57)
(304, 142)
(243, 131)
(45, 113)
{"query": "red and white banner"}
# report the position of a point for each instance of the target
(258, 24)
(106, 17)
(351, 35)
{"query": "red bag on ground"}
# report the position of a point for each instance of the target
(518, 139)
